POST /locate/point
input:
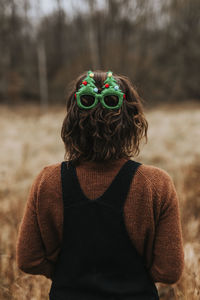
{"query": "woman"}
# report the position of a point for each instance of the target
(99, 224)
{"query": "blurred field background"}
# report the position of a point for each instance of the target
(46, 44)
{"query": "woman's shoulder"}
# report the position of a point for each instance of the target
(49, 174)
(154, 176)
(151, 170)
(158, 183)
(52, 169)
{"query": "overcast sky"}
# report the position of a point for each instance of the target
(49, 5)
(70, 6)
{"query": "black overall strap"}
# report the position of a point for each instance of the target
(119, 185)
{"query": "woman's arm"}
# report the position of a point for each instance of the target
(168, 261)
(30, 250)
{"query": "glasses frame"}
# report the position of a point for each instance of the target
(100, 97)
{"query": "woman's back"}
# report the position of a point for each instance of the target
(151, 213)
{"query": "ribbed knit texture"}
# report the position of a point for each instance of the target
(151, 211)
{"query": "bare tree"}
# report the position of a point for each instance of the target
(94, 48)
(42, 74)
(42, 67)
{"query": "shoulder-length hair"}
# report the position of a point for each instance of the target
(100, 134)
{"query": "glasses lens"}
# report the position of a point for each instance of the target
(111, 100)
(87, 100)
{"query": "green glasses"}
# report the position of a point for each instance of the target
(111, 97)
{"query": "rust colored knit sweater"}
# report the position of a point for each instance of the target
(151, 212)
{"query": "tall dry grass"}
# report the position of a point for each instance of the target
(30, 140)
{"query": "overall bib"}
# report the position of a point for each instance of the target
(97, 259)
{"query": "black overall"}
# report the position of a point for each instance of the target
(97, 259)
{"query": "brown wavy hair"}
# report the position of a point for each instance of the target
(101, 134)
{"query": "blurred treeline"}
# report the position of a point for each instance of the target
(155, 43)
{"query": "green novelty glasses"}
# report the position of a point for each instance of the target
(111, 97)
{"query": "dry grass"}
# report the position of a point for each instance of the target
(31, 139)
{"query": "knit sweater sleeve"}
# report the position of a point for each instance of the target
(30, 250)
(168, 253)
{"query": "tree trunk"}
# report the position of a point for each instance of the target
(42, 75)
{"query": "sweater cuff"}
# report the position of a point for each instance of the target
(46, 268)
